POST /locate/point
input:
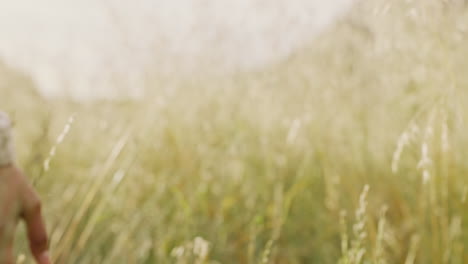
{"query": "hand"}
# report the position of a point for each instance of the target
(18, 200)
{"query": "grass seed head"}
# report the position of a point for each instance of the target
(7, 154)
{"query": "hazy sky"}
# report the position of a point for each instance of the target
(87, 46)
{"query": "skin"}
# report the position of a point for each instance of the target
(18, 201)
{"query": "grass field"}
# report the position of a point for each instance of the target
(352, 151)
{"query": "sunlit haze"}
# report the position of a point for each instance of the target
(87, 47)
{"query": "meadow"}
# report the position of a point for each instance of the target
(354, 150)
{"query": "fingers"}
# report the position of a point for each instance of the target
(37, 234)
(44, 258)
(36, 229)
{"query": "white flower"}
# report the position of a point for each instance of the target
(201, 247)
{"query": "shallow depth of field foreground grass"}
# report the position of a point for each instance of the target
(354, 151)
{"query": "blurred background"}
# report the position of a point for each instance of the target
(94, 48)
(243, 131)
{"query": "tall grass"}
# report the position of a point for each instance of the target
(351, 152)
